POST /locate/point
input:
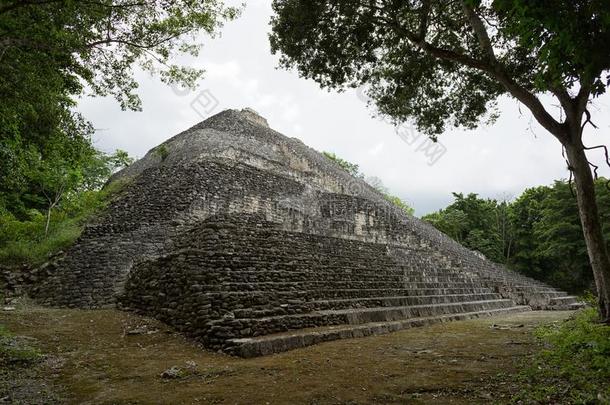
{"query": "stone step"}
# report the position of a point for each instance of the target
(362, 271)
(264, 296)
(403, 300)
(276, 343)
(300, 306)
(214, 276)
(547, 294)
(254, 255)
(369, 269)
(352, 316)
(389, 292)
(320, 284)
(519, 287)
(232, 262)
(568, 299)
(565, 303)
(323, 299)
(385, 314)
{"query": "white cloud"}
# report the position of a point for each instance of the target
(228, 71)
(376, 150)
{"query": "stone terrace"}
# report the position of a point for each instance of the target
(253, 243)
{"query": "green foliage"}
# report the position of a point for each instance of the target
(479, 224)
(425, 62)
(400, 204)
(101, 166)
(538, 234)
(98, 43)
(574, 366)
(161, 151)
(24, 241)
(561, 38)
(351, 168)
(354, 170)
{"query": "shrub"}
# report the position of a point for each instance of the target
(24, 242)
(574, 366)
(162, 152)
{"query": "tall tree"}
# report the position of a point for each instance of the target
(99, 42)
(52, 51)
(538, 234)
(475, 222)
(440, 62)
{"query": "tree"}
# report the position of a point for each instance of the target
(475, 223)
(97, 170)
(538, 234)
(58, 170)
(54, 50)
(99, 42)
(559, 244)
(440, 63)
(451, 222)
(525, 214)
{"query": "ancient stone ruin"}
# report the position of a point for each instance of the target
(253, 243)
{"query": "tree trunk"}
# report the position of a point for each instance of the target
(591, 224)
(46, 228)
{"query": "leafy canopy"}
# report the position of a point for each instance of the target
(52, 51)
(98, 43)
(444, 63)
(538, 234)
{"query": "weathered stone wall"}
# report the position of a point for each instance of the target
(231, 230)
(235, 276)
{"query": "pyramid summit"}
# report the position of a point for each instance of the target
(254, 243)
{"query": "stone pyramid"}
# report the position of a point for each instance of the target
(254, 243)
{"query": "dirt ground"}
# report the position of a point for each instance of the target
(113, 357)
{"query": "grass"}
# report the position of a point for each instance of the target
(34, 251)
(449, 363)
(25, 242)
(574, 364)
(14, 351)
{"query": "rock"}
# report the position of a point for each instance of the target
(141, 330)
(173, 372)
(137, 331)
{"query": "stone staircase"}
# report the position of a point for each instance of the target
(254, 243)
(241, 285)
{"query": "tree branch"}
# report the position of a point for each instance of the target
(491, 66)
(588, 120)
(499, 72)
(108, 41)
(570, 169)
(424, 15)
(25, 3)
(481, 32)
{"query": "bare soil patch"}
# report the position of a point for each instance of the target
(114, 357)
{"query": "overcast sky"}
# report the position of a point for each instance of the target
(497, 162)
